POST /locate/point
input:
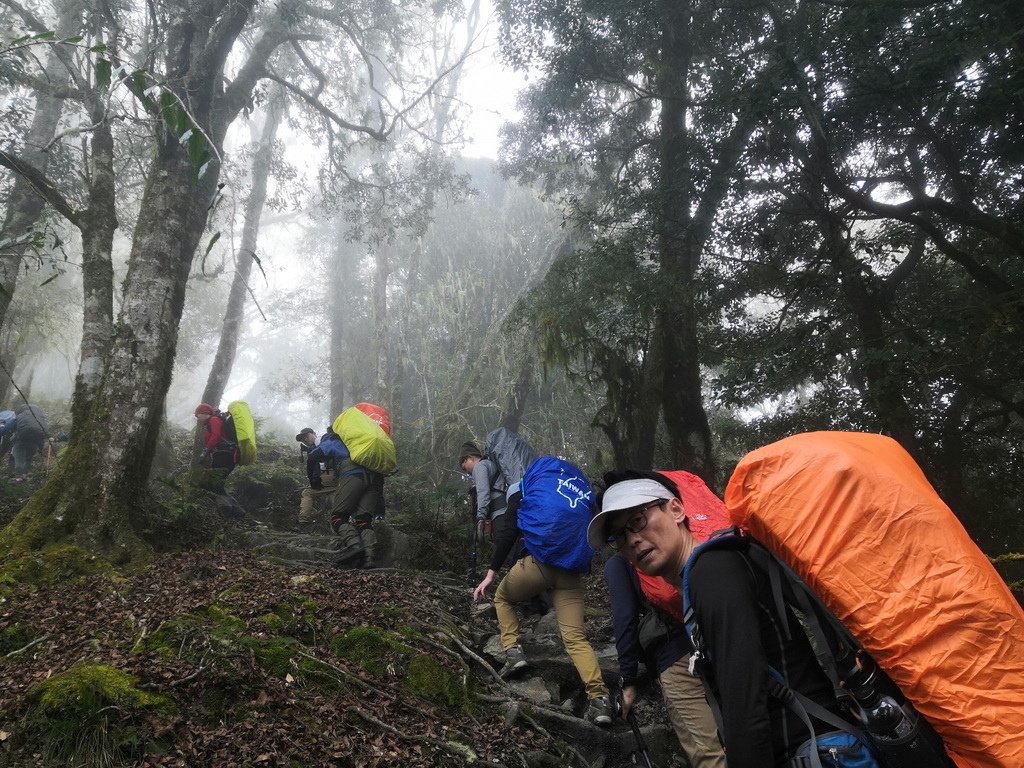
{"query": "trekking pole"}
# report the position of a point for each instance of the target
(640, 755)
(49, 453)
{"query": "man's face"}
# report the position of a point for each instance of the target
(656, 548)
(309, 439)
(202, 418)
(468, 463)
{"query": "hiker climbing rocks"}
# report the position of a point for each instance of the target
(644, 518)
(488, 490)
(220, 455)
(220, 449)
(29, 437)
(320, 473)
(358, 499)
(8, 422)
(551, 509)
(648, 621)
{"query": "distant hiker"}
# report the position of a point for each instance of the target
(30, 433)
(551, 508)
(648, 621)
(8, 421)
(488, 491)
(319, 472)
(644, 518)
(220, 454)
(358, 499)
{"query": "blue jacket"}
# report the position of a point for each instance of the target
(627, 604)
(331, 447)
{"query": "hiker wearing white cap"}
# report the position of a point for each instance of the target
(642, 516)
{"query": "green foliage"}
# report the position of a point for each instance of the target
(91, 715)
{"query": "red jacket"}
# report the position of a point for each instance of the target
(214, 433)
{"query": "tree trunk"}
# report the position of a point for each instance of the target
(515, 406)
(381, 346)
(337, 272)
(679, 249)
(97, 227)
(94, 498)
(630, 414)
(227, 347)
(24, 205)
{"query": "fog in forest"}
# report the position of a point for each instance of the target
(634, 250)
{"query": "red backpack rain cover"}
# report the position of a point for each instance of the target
(855, 517)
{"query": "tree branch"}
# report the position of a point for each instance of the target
(42, 185)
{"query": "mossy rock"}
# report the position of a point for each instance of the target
(55, 563)
(370, 648)
(76, 691)
(429, 679)
(90, 715)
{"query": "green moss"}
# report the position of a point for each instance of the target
(90, 715)
(273, 654)
(74, 691)
(273, 622)
(370, 648)
(194, 635)
(427, 678)
(55, 563)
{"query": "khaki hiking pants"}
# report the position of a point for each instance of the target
(307, 501)
(527, 579)
(691, 716)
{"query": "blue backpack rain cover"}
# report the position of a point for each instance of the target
(554, 514)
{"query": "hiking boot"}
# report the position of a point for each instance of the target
(515, 660)
(600, 711)
(350, 557)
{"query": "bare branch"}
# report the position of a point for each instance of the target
(42, 185)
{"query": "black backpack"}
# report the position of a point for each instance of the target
(894, 732)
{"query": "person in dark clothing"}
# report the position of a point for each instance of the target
(637, 598)
(30, 433)
(643, 517)
(358, 501)
(8, 421)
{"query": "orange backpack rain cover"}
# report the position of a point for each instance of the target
(855, 517)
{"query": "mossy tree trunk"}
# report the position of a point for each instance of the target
(94, 498)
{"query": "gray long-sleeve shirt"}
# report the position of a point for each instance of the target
(490, 486)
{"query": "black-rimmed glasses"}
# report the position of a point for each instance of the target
(635, 523)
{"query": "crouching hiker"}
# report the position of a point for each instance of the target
(551, 510)
(358, 498)
(644, 518)
(647, 618)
